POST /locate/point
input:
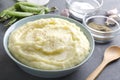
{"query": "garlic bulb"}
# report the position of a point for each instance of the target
(114, 15)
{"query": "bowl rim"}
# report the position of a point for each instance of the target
(97, 2)
(6, 36)
(100, 16)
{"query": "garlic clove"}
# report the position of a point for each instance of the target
(113, 11)
(65, 13)
(109, 22)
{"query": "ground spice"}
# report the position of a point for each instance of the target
(99, 27)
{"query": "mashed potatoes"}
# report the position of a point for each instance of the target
(49, 44)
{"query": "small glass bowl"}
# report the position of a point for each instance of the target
(78, 8)
(102, 35)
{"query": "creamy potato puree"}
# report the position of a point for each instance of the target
(49, 44)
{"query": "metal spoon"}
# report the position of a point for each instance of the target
(112, 53)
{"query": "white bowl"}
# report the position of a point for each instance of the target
(46, 73)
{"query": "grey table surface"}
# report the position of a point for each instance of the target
(10, 71)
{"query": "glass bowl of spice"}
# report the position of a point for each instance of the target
(78, 8)
(103, 28)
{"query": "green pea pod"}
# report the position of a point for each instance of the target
(42, 11)
(6, 17)
(31, 9)
(19, 14)
(28, 4)
(12, 20)
(47, 10)
(3, 13)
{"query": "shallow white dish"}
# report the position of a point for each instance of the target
(38, 2)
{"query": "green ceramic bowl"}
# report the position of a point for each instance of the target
(46, 73)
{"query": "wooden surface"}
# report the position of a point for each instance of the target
(10, 71)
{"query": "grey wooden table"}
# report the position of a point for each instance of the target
(10, 71)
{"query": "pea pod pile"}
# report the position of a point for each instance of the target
(21, 10)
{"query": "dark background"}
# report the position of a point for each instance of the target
(10, 71)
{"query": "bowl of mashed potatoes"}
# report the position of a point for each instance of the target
(48, 46)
